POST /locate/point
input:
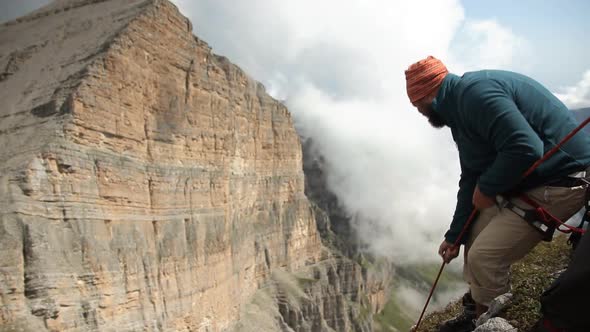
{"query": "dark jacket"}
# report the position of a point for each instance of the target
(502, 123)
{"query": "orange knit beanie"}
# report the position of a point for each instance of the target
(423, 77)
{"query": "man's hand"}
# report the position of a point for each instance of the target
(481, 201)
(447, 251)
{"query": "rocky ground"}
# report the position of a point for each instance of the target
(529, 278)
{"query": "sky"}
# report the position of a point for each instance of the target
(339, 67)
(555, 31)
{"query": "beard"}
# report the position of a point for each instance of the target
(435, 119)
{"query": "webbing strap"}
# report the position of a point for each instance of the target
(534, 217)
(547, 217)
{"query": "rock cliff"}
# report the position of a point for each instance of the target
(341, 292)
(146, 182)
(149, 184)
(339, 234)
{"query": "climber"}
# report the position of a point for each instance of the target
(502, 122)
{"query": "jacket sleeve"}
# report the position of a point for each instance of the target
(464, 206)
(494, 116)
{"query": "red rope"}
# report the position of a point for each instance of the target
(555, 148)
(473, 213)
(548, 217)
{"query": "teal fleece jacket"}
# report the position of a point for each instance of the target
(502, 122)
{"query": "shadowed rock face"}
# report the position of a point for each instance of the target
(373, 276)
(145, 183)
(334, 224)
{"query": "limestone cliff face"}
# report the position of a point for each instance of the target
(338, 233)
(333, 222)
(145, 183)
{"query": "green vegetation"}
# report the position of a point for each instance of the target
(532, 276)
(365, 312)
(421, 276)
(400, 316)
(305, 282)
(394, 317)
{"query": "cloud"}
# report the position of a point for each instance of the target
(346, 49)
(577, 96)
(487, 44)
(339, 66)
(392, 172)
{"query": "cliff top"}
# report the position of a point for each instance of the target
(44, 54)
(47, 55)
(59, 6)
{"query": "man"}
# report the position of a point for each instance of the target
(502, 122)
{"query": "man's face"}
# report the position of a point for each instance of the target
(425, 108)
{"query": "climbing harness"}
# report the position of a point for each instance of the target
(536, 218)
(543, 221)
(539, 211)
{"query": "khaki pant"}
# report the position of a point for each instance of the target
(499, 238)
